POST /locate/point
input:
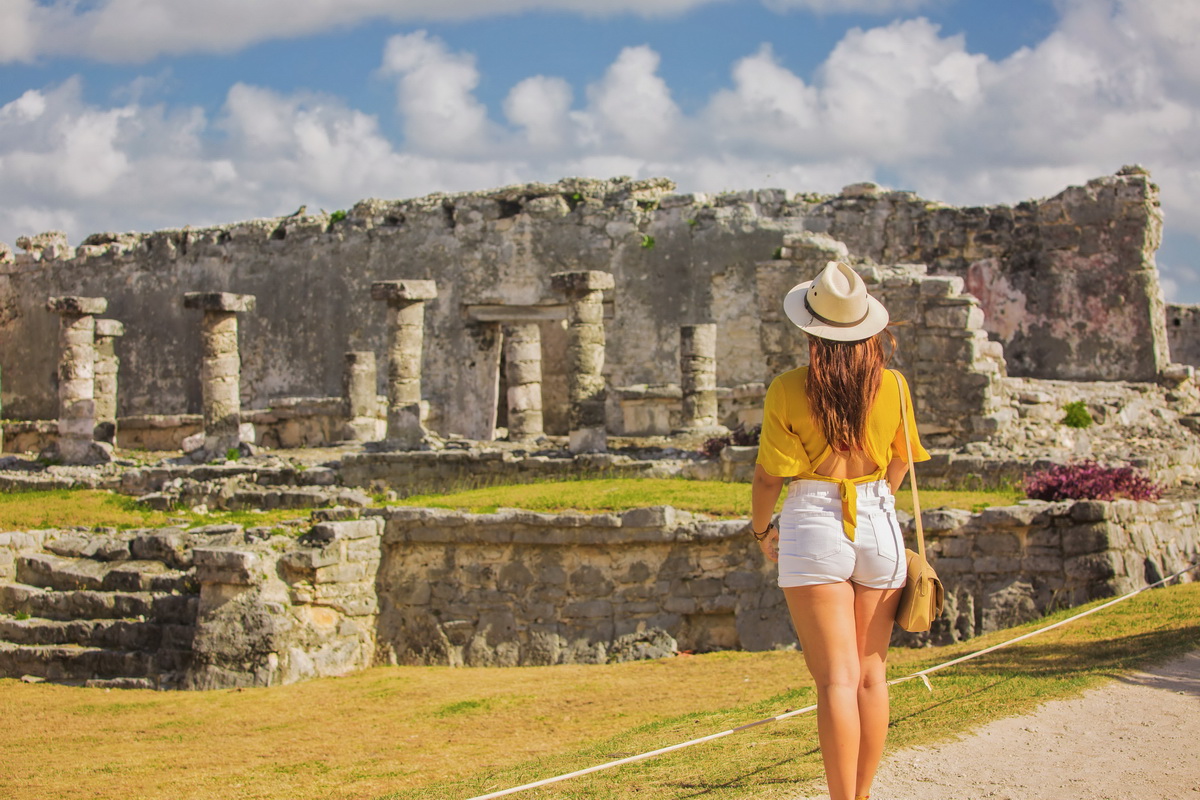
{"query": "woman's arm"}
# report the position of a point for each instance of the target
(895, 474)
(764, 493)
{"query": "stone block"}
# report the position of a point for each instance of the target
(582, 281)
(109, 328)
(403, 290)
(956, 546)
(680, 605)
(219, 301)
(651, 517)
(944, 519)
(225, 565)
(345, 529)
(958, 316)
(77, 306)
(310, 558)
(1090, 511)
(938, 286)
(705, 587)
(997, 564)
(588, 609)
(1086, 539)
(956, 565)
(1091, 567)
(993, 544)
(341, 573)
(1022, 515)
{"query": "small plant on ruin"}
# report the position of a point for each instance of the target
(647, 241)
(1077, 415)
(739, 436)
(337, 216)
(1089, 480)
(777, 253)
(233, 454)
(21, 616)
(693, 222)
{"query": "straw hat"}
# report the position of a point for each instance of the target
(835, 306)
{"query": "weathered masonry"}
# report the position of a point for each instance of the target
(220, 607)
(1066, 285)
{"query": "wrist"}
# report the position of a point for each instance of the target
(763, 534)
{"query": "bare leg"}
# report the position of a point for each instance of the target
(874, 612)
(824, 617)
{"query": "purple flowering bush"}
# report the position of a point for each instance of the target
(1088, 480)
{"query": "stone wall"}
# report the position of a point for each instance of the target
(1008, 565)
(517, 587)
(223, 607)
(1183, 333)
(1068, 282)
(267, 618)
(955, 371)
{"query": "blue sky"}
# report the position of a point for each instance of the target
(145, 114)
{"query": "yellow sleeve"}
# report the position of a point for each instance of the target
(919, 452)
(780, 450)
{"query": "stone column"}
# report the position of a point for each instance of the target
(406, 335)
(76, 380)
(523, 359)
(358, 391)
(585, 357)
(107, 364)
(698, 368)
(221, 368)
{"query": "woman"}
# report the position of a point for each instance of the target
(834, 429)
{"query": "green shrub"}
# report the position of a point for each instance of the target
(337, 216)
(1077, 415)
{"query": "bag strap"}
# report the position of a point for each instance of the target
(912, 467)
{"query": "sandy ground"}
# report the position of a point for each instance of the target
(1134, 738)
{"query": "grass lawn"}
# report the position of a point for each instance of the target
(402, 733)
(718, 498)
(90, 508)
(62, 508)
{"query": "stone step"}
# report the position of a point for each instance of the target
(92, 665)
(19, 598)
(117, 634)
(64, 574)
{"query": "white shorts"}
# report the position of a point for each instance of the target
(813, 548)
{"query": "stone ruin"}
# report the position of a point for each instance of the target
(548, 331)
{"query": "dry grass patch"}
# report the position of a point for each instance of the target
(432, 732)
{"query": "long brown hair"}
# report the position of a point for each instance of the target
(843, 378)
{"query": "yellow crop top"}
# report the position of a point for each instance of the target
(791, 442)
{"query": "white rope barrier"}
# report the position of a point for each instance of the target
(922, 676)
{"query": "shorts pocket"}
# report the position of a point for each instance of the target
(887, 536)
(818, 536)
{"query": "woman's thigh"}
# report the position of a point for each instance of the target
(824, 617)
(874, 615)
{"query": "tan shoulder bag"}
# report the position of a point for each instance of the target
(923, 594)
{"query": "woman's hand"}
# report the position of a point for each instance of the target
(769, 544)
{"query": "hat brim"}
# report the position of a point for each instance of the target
(875, 321)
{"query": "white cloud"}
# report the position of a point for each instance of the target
(17, 23)
(631, 106)
(540, 105)
(1117, 82)
(851, 6)
(140, 30)
(433, 92)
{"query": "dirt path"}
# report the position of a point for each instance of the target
(1135, 738)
